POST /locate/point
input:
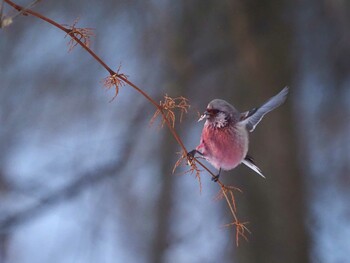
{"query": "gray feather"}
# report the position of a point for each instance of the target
(248, 161)
(251, 118)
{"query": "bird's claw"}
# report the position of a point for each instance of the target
(215, 178)
(190, 156)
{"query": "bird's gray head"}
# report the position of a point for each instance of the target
(220, 113)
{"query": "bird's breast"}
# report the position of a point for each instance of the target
(224, 148)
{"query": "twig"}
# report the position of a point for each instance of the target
(8, 20)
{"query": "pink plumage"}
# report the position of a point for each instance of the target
(224, 148)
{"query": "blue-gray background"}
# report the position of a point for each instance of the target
(83, 179)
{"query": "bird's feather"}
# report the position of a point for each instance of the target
(251, 118)
(248, 161)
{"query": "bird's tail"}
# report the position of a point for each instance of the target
(249, 161)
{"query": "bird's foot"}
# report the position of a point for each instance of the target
(215, 178)
(191, 154)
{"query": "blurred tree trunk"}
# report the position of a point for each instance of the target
(176, 80)
(275, 207)
(164, 204)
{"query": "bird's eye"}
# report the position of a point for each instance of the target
(213, 111)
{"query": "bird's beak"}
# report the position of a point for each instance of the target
(203, 116)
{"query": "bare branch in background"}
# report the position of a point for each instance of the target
(8, 20)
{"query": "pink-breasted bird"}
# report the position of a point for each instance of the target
(224, 141)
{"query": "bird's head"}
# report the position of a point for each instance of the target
(220, 113)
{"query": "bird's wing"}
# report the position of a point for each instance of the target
(248, 161)
(251, 118)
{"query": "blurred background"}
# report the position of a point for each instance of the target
(83, 179)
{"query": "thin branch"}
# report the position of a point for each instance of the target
(68, 31)
(78, 36)
(8, 20)
(99, 60)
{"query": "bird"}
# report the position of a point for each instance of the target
(224, 139)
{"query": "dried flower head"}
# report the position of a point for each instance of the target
(82, 35)
(228, 190)
(166, 109)
(115, 80)
(188, 160)
(241, 230)
(227, 193)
